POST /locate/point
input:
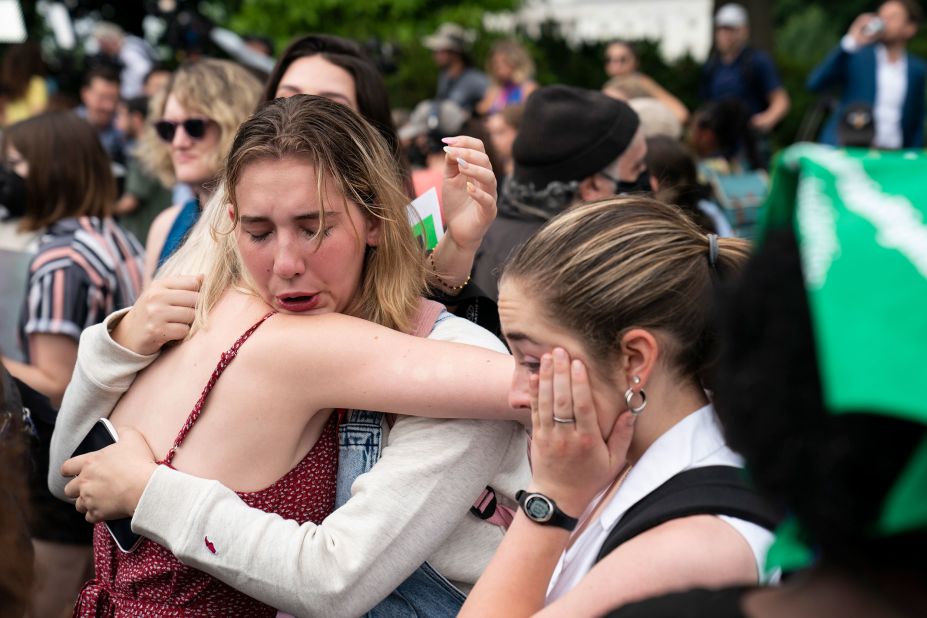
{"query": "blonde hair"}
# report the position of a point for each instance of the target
(631, 86)
(223, 91)
(344, 150)
(517, 57)
(604, 267)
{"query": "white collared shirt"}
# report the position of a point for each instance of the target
(891, 89)
(695, 441)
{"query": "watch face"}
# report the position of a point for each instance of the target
(539, 508)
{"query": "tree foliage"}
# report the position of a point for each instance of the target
(392, 30)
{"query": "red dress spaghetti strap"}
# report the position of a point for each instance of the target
(150, 581)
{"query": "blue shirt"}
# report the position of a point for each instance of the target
(751, 77)
(187, 217)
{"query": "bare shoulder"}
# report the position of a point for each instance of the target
(160, 227)
(682, 544)
(701, 551)
(165, 219)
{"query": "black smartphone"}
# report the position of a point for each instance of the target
(100, 436)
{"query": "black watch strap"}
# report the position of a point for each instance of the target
(542, 510)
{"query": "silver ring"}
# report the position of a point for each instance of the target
(565, 421)
(629, 395)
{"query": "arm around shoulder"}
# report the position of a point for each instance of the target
(361, 365)
(399, 514)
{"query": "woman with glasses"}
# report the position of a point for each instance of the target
(195, 119)
(622, 65)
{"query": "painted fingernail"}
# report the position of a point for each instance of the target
(560, 354)
(448, 140)
(447, 149)
(462, 163)
(577, 366)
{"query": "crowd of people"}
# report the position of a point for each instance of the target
(614, 386)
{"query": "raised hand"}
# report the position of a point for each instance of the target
(859, 32)
(468, 194)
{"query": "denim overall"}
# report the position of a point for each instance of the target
(425, 593)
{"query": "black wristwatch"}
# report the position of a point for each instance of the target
(542, 510)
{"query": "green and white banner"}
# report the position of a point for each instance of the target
(861, 221)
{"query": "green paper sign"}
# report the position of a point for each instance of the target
(426, 219)
(425, 231)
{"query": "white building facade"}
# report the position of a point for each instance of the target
(681, 26)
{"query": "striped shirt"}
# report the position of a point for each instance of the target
(85, 268)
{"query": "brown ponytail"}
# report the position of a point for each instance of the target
(604, 267)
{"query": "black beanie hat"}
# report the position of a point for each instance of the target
(569, 133)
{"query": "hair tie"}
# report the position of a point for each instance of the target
(713, 250)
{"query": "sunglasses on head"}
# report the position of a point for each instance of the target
(194, 127)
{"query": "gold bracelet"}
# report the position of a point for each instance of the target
(444, 284)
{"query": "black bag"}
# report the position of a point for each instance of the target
(52, 520)
(710, 490)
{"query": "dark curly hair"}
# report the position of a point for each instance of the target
(831, 471)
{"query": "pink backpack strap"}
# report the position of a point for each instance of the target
(488, 508)
(425, 318)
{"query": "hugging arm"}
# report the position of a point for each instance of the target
(107, 364)
(360, 365)
(103, 373)
(356, 364)
(398, 515)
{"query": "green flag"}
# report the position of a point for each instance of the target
(860, 218)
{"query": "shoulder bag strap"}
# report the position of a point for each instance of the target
(709, 490)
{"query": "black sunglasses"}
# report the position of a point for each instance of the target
(194, 127)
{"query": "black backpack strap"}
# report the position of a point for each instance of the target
(710, 490)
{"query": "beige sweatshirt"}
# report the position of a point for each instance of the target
(411, 507)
